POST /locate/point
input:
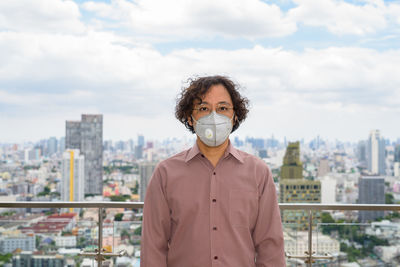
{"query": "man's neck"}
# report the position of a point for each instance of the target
(213, 154)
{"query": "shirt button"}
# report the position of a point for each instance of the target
(215, 173)
(214, 200)
(214, 228)
(215, 257)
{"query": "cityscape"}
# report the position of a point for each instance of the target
(83, 167)
(88, 94)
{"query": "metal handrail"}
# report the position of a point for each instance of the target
(138, 205)
(65, 204)
(316, 206)
(99, 253)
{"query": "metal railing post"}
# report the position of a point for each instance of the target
(100, 249)
(310, 252)
(100, 252)
(309, 256)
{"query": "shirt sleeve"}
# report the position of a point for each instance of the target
(268, 233)
(156, 224)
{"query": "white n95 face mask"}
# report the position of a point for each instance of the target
(213, 129)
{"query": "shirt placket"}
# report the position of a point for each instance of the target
(214, 227)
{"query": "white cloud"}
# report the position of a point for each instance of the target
(250, 19)
(194, 19)
(340, 17)
(102, 72)
(393, 11)
(54, 16)
(49, 73)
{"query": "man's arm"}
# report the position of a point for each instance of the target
(156, 225)
(268, 233)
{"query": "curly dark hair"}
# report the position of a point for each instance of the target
(198, 87)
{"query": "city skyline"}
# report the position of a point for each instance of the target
(192, 137)
(330, 64)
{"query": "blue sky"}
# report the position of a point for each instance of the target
(327, 67)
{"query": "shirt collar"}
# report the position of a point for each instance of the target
(229, 150)
(192, 152)
(234, 152)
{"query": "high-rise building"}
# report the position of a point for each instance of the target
(292, 167)
(73, 172)
(140, 140)
(396, 169)
(61, 145)
(396, 165)
(131, 145)
(376, 153)
(146, 170)
(361, 153)
(51, 146)
(323, 168)
(73, 135)
(87, 136)
(295, 189)
(371, 190)
(138, 152)
(316, 143)
(328, 190)
(397, 153)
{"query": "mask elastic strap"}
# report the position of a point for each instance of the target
(193, 118)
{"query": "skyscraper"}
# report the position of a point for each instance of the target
(396, 169)
(61, 145)
(292, 167)
(73, 171)
(146, 170)
(396, 166)
(376, 153)
(361, 153)
(139, 147)
(140, 140)
(51, 146)
(397, 153)
(87, 136)
(295, 189)
(371, 190)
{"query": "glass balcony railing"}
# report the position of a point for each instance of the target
(108, 234)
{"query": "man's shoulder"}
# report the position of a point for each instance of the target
(175, 159)
(251, 159)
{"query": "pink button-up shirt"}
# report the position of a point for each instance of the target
(196, 215)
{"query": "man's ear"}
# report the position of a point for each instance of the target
(235, 119)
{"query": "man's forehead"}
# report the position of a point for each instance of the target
(220, 98)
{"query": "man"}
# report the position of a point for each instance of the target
(212, 205)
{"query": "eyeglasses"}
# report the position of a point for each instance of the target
(206, 109)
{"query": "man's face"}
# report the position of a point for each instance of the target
(216, 99)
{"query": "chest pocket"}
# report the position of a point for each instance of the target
(243, 208)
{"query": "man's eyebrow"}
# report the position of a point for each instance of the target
(220, 102)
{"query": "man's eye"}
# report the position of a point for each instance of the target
(203, 109)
